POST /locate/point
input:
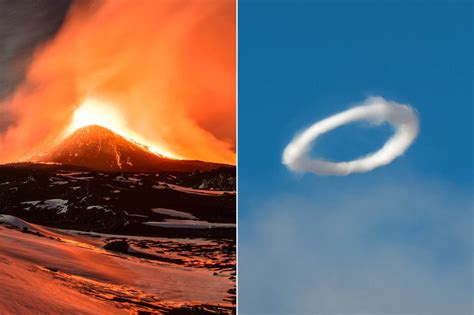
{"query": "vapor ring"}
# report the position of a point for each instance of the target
(375, 110)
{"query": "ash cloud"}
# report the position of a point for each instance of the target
(24, 25)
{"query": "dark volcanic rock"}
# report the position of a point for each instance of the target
(117, 246)
(221, 179)
(112, 202)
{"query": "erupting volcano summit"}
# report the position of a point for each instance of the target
(98, 148)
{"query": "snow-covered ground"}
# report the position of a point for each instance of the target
(174, 213)
(54, 204)
(49, 271)
(199, 191)
(189, 224)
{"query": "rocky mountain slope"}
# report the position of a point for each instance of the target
(119, 203)
(98, 148)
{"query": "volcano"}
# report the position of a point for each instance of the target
(98, 148)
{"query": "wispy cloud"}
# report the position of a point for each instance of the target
(403, 248)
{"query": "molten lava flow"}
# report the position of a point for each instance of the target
(165, 71)
(96, 112)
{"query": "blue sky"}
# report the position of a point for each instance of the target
(390, 241)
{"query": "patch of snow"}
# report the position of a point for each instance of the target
(34, 202)
(29, 180)
(135, 215)
(58, 204)
(68, 173)
(189, 224)
(13, 221)
(125, 180)
(60, 182)
(21, 224)
(200, 241)
(174, 213)
(200, 191)
(99, 208)
(159, 186)
(94, 207)
(84, 178)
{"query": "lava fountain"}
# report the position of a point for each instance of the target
(97, 112)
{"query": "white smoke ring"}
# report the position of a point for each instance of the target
(375, 110)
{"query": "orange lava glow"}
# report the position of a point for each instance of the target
(97, 112)
(159, 72)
